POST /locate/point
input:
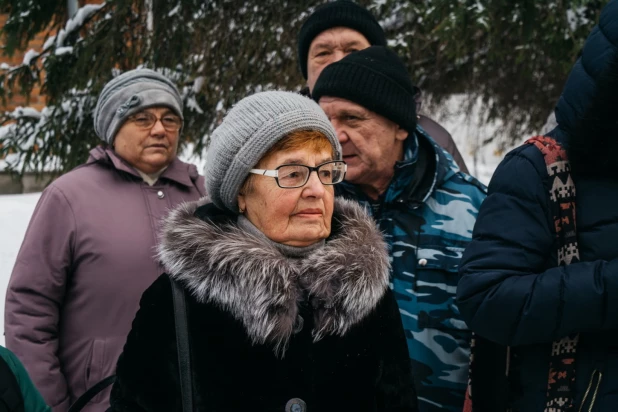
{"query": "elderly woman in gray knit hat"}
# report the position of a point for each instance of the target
(89, 251)
(287, 300)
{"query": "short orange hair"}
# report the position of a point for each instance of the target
(311, 140)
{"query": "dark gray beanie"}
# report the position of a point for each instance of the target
(130, 93)
(249, 130)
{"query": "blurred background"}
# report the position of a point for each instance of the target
(490, 72)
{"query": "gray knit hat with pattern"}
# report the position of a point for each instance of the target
(130, 93)
(249, 130)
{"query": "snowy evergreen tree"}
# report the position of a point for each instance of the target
(513, 55)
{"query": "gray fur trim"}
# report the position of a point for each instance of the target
(262, 288)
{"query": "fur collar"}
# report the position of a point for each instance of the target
(222, 264)
(593, 145)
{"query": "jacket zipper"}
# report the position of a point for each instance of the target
(596, 390)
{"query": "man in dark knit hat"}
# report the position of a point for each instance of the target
(425, 206)
(341, 27)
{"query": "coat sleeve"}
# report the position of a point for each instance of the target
(506, 293)
(36, 292)
(147, 370)
(395, 389)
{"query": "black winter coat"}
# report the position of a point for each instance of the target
(266, 329)
(511, 290)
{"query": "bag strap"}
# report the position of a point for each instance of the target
(91, 393)
(182, 345)
(562, 195)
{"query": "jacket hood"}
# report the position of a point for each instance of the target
(220, 263)
(593, 145)
(585, 112)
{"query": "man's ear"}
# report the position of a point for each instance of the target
(401, 134)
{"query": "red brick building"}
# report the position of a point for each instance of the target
(36, 101)
(29, 182)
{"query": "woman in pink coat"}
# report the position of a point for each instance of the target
(88, 253)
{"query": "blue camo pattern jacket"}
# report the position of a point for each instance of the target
(427, 215)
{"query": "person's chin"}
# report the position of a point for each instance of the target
(316, 232)
(354, 177)
(156, 151)
(306, 240)
(153, 165)
(157, 154)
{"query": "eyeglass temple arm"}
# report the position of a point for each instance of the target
(264, 172)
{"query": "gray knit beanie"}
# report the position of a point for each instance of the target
(130, 93)
(249, 130)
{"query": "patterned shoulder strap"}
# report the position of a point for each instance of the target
(562, 197)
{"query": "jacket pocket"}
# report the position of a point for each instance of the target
(95, 366)
(436, 287)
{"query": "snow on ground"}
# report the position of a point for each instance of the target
(15, 210)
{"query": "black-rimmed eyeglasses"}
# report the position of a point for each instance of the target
(290, 176)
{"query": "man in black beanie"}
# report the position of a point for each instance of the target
(425, 206)
(338, 28)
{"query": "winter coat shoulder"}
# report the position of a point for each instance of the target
(266, 329)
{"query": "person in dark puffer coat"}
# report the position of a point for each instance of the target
(511, 290)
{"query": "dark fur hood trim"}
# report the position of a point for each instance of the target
(593, 145)
(262, 288)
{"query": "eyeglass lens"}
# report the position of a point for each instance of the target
(147, 120)
(297, 175)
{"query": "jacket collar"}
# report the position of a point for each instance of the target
(203, 247)
(178, 171)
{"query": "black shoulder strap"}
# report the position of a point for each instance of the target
(182, 344)
(11, 399)
(91, 393)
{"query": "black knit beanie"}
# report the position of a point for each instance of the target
(374, 78)
(340, 13)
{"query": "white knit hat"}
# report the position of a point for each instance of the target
(249, 130)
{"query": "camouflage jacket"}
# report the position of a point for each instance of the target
(427, 215)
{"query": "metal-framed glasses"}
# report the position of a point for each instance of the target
(146, 120)
(290, 176)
